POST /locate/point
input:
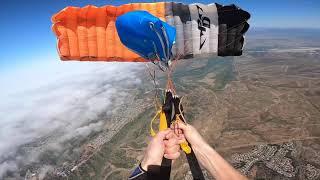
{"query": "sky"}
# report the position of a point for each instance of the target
(27, 36)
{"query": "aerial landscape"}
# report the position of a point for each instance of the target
(91, 120)
(261, 111)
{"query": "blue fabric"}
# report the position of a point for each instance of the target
(137, 172)
(136, 34)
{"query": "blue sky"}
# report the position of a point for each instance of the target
(27, 36)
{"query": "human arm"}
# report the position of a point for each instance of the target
(206, 155)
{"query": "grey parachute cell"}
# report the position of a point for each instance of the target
(207, 29)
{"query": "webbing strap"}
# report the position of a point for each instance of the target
(191, 157)
(194, 166)
(165, 116)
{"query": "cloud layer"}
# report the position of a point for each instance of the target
(49, 104)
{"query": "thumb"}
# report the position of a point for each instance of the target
(182, 125)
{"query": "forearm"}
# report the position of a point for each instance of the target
(214, 163)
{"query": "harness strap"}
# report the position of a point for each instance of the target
(169, 113)
(191, 157)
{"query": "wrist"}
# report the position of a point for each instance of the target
(146, 162)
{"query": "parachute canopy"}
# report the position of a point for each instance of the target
(90, 33)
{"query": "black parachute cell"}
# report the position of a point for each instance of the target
(232, 27)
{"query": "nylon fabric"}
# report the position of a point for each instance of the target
(89, 33)
(143, 33)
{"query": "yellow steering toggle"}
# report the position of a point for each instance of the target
(163, 126)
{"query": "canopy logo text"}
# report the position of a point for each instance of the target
(203, 23)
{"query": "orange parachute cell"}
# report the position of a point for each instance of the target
(89, 33)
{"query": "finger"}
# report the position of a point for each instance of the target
(176, 128)
(172, 125)
(181, 125)
(172, 156)
(181, 136)
(172, 149)
(162, 134)
(171, 142)
(170, 135)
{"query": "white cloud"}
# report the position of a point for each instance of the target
(53, 102)
(7, 166)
